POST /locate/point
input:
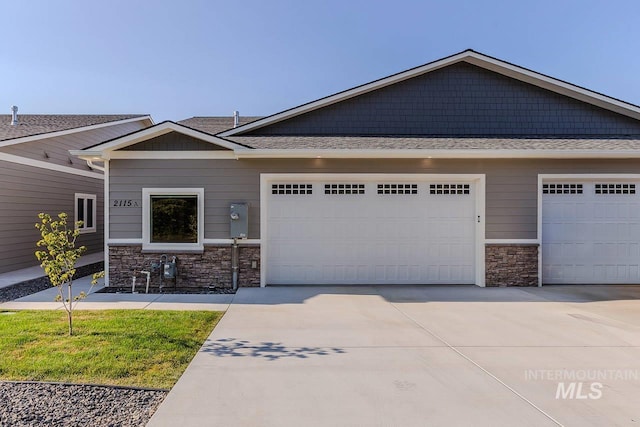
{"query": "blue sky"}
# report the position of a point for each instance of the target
(177, 59)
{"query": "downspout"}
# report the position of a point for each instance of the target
(94, 166)
(106, 221)
(234, 264)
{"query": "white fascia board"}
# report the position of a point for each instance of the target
(471, 57)
(590, 176)
(173, 155)
(437, 154)
(49, 166)
(71, 131)
(154, 155)
(105, 150)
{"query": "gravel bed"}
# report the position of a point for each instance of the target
(23, 289)
(52, 404)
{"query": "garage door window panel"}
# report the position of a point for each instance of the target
(344, 188)
(562, 188)
(450, 189)
(292, 189)
(397, 189)
(615, 189)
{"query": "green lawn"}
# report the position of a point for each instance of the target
(141, 348)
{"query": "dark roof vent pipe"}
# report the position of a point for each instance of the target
(236, 119)
(14, 115)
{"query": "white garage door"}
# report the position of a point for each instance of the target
(590, 232)
(370, 232)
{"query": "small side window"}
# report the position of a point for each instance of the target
(85, 211)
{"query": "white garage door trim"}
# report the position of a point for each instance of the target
(569, 177)
(477, 179)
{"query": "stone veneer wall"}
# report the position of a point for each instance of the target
(211, 268)
(511, 265)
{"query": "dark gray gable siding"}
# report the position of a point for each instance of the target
(174, 141)
(458, 100)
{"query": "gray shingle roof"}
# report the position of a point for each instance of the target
(36, 124)
(214, 125)
(431, 143)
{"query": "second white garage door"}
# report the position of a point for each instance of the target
(590, 232)
(370, 232)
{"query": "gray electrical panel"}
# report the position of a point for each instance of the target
(239, 218)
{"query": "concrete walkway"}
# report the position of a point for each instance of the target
(416, 356)
(24, 274)
(45, 300)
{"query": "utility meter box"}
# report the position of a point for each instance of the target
(239, 218)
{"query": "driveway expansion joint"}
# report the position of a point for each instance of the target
(467, 358)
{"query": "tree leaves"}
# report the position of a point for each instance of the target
(59, 259)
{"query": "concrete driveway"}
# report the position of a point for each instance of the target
(417, 356)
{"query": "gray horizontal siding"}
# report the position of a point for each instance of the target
(26, 191)
(57, 149)
(461, 99)
(511, 193)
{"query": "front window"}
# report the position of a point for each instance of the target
(172, 218)
(85, 210)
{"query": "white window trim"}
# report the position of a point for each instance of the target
(146, 219)
(84, 229)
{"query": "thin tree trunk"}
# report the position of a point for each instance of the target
(69, 312)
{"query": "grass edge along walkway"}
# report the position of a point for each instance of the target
(138, 348)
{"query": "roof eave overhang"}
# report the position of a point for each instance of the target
(435, 154)
(244, 153)
(104, 151)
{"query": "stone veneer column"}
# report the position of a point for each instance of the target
(511, 264)
(211, 268)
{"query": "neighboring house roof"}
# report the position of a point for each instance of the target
(43, 141)
(469, 56)
(39, 124)
(214, 125)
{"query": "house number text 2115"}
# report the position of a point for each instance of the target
(125, 203)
